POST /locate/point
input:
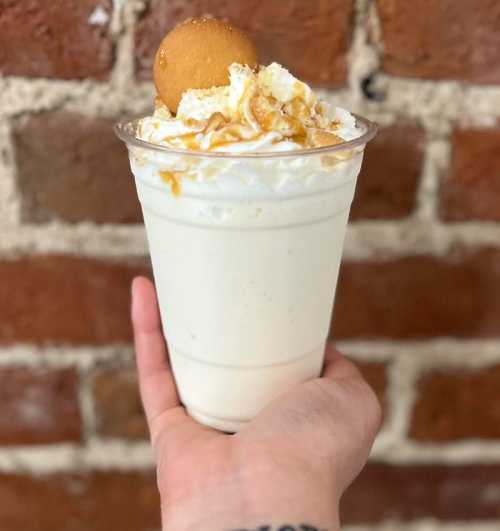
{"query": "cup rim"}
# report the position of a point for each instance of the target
(125, 131)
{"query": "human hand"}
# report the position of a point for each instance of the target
(286, 470)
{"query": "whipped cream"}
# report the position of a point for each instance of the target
(265, 111)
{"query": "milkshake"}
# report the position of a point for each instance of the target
(245, 189)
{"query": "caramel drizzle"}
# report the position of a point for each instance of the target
(288, 122)
(188, 139)
(173, 179)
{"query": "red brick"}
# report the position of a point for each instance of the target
(311, 38)
(387, 184)
(54, 39)
(420, 296)
(104, 501)
(441, 40)
(66, 299)
(39, 406)
(457, 405)
(471, 190)
(462, 492)
(73, 168)
(118, 404)
(375, 374)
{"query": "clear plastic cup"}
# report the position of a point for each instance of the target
(245, 251)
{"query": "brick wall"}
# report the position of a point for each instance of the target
(419, 299)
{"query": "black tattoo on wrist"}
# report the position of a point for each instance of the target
(284, 527)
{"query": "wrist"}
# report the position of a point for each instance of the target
(271, 494)
(286, 515)
(286, 493)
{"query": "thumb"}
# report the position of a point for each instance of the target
(329, 420)
(354, 412)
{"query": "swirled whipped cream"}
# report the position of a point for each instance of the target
(267, 110)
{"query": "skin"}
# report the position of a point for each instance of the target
(288, 467)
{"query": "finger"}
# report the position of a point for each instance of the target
(164, 413)
(156, 382)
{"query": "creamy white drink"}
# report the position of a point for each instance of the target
(246, 195)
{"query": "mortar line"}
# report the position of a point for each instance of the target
(403, 375)
(122, 27)
(86, 404)
(82, 357)
(118, 95)
(116, 22)
(364, 240)
(435, 161)
(362, 58)
(433, 353)
(427, 354)
(441, 104)
(118, 454)
(374, 26)
(83, 239)
(97, 454)
(460, 453)
(9, 196)
(411, 237)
